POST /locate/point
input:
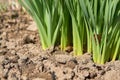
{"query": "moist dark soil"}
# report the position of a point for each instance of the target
(21, 56)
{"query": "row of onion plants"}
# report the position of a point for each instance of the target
(91, 26)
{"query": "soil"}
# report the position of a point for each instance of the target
(21, 56)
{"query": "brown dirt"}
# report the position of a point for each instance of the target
(21, 56)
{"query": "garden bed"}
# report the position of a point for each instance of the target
(21, 56)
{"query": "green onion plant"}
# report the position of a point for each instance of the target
(89, 25)
(66, 29)
(103, 28)
(47, 15)
(77, 25)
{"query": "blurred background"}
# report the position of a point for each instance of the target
(9, 4)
